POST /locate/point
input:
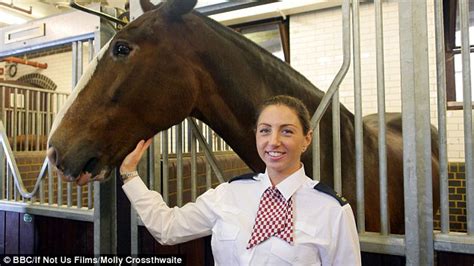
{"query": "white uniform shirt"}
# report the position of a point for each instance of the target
(325, 232)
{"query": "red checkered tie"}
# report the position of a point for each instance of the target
(274, 218)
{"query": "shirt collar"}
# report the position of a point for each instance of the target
(289, 185)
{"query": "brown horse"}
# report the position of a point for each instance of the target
(173, 62)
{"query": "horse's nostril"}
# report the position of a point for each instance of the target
(52, 156)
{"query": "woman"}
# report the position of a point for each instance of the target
(279, 217)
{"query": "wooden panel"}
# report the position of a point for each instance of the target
(369, 259)
(146, 243)
(2, 232)
(12, 233)
(27, 234)
(194, 252)
(458, 259)
(63, 237)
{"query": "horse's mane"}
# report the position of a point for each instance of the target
(271, 61)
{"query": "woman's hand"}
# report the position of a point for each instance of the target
(130, 162)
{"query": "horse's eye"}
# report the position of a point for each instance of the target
(122, 49)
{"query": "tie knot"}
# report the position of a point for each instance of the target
(274, 218)
(274, 193)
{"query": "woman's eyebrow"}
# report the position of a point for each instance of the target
(282, 125)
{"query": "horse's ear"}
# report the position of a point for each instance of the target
(147, 5)
(177, 8)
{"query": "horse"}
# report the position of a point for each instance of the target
(173, 62)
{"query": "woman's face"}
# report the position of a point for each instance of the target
(280, 140)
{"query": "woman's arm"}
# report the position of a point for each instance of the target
(167, 225)
(347, 247)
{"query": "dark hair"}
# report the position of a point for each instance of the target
(292, 103)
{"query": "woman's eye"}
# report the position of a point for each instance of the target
(264, 131)
(122, 49)
(287, 131)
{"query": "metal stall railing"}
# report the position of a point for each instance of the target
(446, 240)
(27, 113)
(14, 194)
(420, 244)
(194, 140)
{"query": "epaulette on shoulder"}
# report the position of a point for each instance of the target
(248, 176)
(328, 190)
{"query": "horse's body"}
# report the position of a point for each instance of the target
(171, 63)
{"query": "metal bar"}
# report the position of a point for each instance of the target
(50, 184)
(346, 46)
(2, 173)
(79, 196)
(165, 166)
(90, 194)
(359, 143)
(151, 165)
(179, 164)
(209, 155)
(157, 162)
(68, 194)
(416, 133)
(41, 192)
(38, 119)
(316, 151)
(2, 105)
(60, 191)
(18, 182)
(193, 150)
(454, 242)
(134, 242)
(45, 210)
(8, 184)
(467, 112)
(27, 120)
(324, 104)
(91, 49)
(74, 77)
(15, 119)
(382, 149)
(49, 113)
(80, 60)
(442, 132)
(208, 166)
(73, 4)
(336, 142)
(382, 244)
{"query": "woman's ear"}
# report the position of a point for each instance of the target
(308, 138)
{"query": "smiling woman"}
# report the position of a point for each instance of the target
(282, 135)
(273, 218)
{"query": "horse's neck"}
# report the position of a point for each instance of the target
(236, 77)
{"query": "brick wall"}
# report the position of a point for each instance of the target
(457, 197)
(29, 164)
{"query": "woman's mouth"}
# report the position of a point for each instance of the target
(275, 154)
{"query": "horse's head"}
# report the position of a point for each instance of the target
(146, 66)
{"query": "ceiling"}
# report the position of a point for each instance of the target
(21, 11)
(18, 11)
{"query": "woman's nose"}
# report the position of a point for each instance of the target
(275, 139)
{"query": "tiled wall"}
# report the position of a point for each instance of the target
(316, 52)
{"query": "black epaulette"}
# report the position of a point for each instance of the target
(243, 177)
(328, 190)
